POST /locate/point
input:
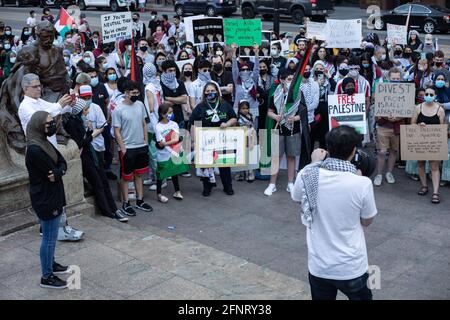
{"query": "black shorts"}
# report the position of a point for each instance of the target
(135, 161)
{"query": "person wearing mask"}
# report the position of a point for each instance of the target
(130, 132)
(159, 34)
(379, 55)
(428, 113)
(265, 82)
(428, 45)
(182, 55)
(421, 74)
(171, 48)
(288, 124)
(310, 90)
(10, 60)
(47, 16)
(177, 29)
(396, 56)
(246, 82)
(89, 59)
(188, 78)
(160, 58)
(278, 62)
(291, 64)
(213, 111)
(203, 77)
(327, 60)
(154, 22)
(173, 90)
(414, 40)
(111, 82)
(46, 167)
(140, 31)
(114, 59)
(32, 103)
(439, 64)
(126, 57)
(165, 23)
(71, 70)
(337, 253)
(342, 70)
(320, 123)
(85, 127)
(100, 66)
(95, 44)
(26, 36)
(144, 53)
(223, 78)
(388, 138)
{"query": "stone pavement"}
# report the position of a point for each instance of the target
(247, 246)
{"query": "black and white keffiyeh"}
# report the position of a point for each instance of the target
(310, 188)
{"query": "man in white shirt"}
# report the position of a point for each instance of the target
(31, 103)
(31, 20)
(177, 29)
(336, 203)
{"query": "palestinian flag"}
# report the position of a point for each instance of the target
(294, 89)
(224, 157)
(64, 22)
(175, 164)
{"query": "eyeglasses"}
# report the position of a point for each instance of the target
(429, 95)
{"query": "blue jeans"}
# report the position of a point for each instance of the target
(47, 252)
(326, 289)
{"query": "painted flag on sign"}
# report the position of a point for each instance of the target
(224, 157)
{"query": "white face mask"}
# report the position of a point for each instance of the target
(12, 60)
(383, 57)
(274, 52)
(87, 60)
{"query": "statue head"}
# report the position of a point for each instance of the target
(46, 34)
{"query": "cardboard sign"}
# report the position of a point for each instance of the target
(348, 110)
(424, 142)
(243, 32)
(315, 30)
(395, 100)
(116, 26)
(343, 33)
(396, 33)
(215, 147)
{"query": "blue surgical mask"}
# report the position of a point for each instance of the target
(94, 81)
(211, 97)
(440, 83)
(66, 60)
(429, 99)
(7, 46)
(112, 77)
(170, 116)
(366, 65)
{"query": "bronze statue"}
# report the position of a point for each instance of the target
(43, 59)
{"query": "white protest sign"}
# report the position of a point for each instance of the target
(347, 110)
(396, 33)
(189, 29)
(315, 30)
(395, 100)
(343, 33)
(181, 63)
(116, 26)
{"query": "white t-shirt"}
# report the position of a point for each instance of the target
(156, 102)
(164, 132)
(97, 119)
(336, 243)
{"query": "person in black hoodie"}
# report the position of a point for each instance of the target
(46, 166)
(79, 129)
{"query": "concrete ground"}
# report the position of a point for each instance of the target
(245, 246)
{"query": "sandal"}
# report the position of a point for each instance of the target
(162, 199)
(423, 191)
(177, 195)
(435, 198)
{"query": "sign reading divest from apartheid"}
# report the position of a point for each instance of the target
(116, 26)
(395, 100)
(424, 142)
(347, 110)
(215, 147)
(245, 32)
(343, 33)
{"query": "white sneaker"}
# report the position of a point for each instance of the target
(270, 189)
(153, 186)
(186, 175)
(390, 177)
(378, 179)
(290, 186)
(148, 182)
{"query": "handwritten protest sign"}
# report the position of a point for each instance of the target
(348, 110)
(315, 30)
(343, 33)
(116, 26)
(396, 33)
(242, 32)
(395, 100)
(217, 147)
(424, 142)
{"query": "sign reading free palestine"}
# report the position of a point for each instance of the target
(347, 110)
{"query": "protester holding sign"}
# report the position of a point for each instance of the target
(429, 113)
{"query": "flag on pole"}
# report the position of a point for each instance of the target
(64, 22)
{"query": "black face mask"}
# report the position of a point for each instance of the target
(397, 52)
(406, 55)
(51, 129)
(218, 67)
(343, 72)
(187, 74)
(229, 68)
(143, 48)
(263, 72)
(350, 91)
(307, 74)
(134, 98)
(317, 73)
(439, 64)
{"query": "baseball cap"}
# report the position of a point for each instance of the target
(85, 91)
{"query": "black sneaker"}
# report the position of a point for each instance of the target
(120, 216)
(111, 176)
(144, 206)
(229, 192)
(60, 269)
(128, 209)
(53, 282)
